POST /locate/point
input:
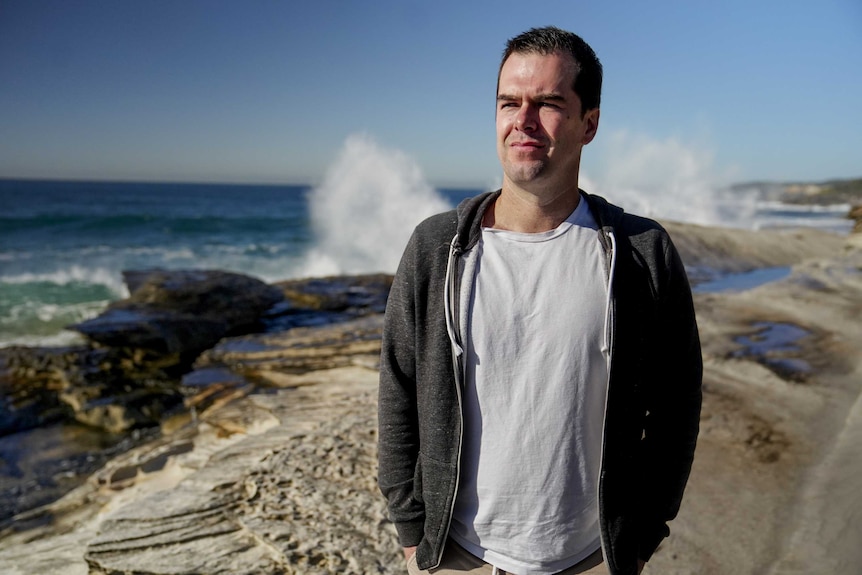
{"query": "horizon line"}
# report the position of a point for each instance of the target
(271, 184)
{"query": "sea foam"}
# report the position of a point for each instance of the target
(666, 179)
(364, 211)
(74, 274)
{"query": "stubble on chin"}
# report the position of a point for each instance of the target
(524, 172)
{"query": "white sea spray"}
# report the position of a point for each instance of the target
(366, 208)
(666, 179)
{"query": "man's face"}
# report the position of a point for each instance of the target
(540, 131)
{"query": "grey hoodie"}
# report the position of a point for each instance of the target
(654, 389)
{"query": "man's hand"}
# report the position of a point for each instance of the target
(409, 552)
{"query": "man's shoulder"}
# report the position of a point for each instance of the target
(633, 232)
(439, 223)
(634, 226)
(609, 215)
(436, 229)
(462, 220)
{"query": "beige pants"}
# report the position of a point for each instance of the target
(457, 560)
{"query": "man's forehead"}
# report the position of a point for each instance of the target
(555, 71)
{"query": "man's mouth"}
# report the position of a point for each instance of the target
(526, 144)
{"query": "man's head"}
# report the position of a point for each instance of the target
(547, 110)
(550, 40)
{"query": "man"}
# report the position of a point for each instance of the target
(540, 379)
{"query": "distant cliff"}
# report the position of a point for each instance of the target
(827, 192)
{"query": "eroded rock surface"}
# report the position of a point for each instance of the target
(273, 479)
(300, 497)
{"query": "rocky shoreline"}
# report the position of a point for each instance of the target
(255, 453)
(145, 365)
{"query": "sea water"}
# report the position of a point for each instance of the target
(64, 244)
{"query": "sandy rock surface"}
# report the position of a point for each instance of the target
(281, 478)
(708, 249)
(772, 488)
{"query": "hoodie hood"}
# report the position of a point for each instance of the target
(470, 213)
(606, 214)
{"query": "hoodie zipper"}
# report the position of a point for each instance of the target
(609, 341)
(450, 296)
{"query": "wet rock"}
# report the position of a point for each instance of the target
(116, 413)
(130, 376)
(163, 332)
(30, 380)
(775, 345)
(181, 311)
(40, 465)
(114, 389)
(321, 301)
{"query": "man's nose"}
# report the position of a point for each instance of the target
(527, 118)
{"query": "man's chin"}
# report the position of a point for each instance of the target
(525, 172)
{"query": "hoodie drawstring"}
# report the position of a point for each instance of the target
(448, 294)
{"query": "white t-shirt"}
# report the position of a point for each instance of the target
(536, 385)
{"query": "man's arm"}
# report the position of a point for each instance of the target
(398, 427)
(672, 422)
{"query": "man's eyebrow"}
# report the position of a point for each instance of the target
(548, 97)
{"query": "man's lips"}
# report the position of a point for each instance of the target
(526, 144)
(527, 148)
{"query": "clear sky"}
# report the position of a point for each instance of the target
(268, 91)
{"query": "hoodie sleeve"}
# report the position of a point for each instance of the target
(398, 424)
(673, 408)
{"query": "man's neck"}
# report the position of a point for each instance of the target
(519, 210)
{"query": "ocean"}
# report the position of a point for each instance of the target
(64, 244)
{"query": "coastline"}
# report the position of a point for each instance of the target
(280, 478)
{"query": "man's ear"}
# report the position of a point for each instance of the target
(591, 125)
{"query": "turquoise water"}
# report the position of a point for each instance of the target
(63, 245)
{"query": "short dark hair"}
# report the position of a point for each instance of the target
(550, 39)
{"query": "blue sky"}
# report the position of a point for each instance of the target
(267, 91)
